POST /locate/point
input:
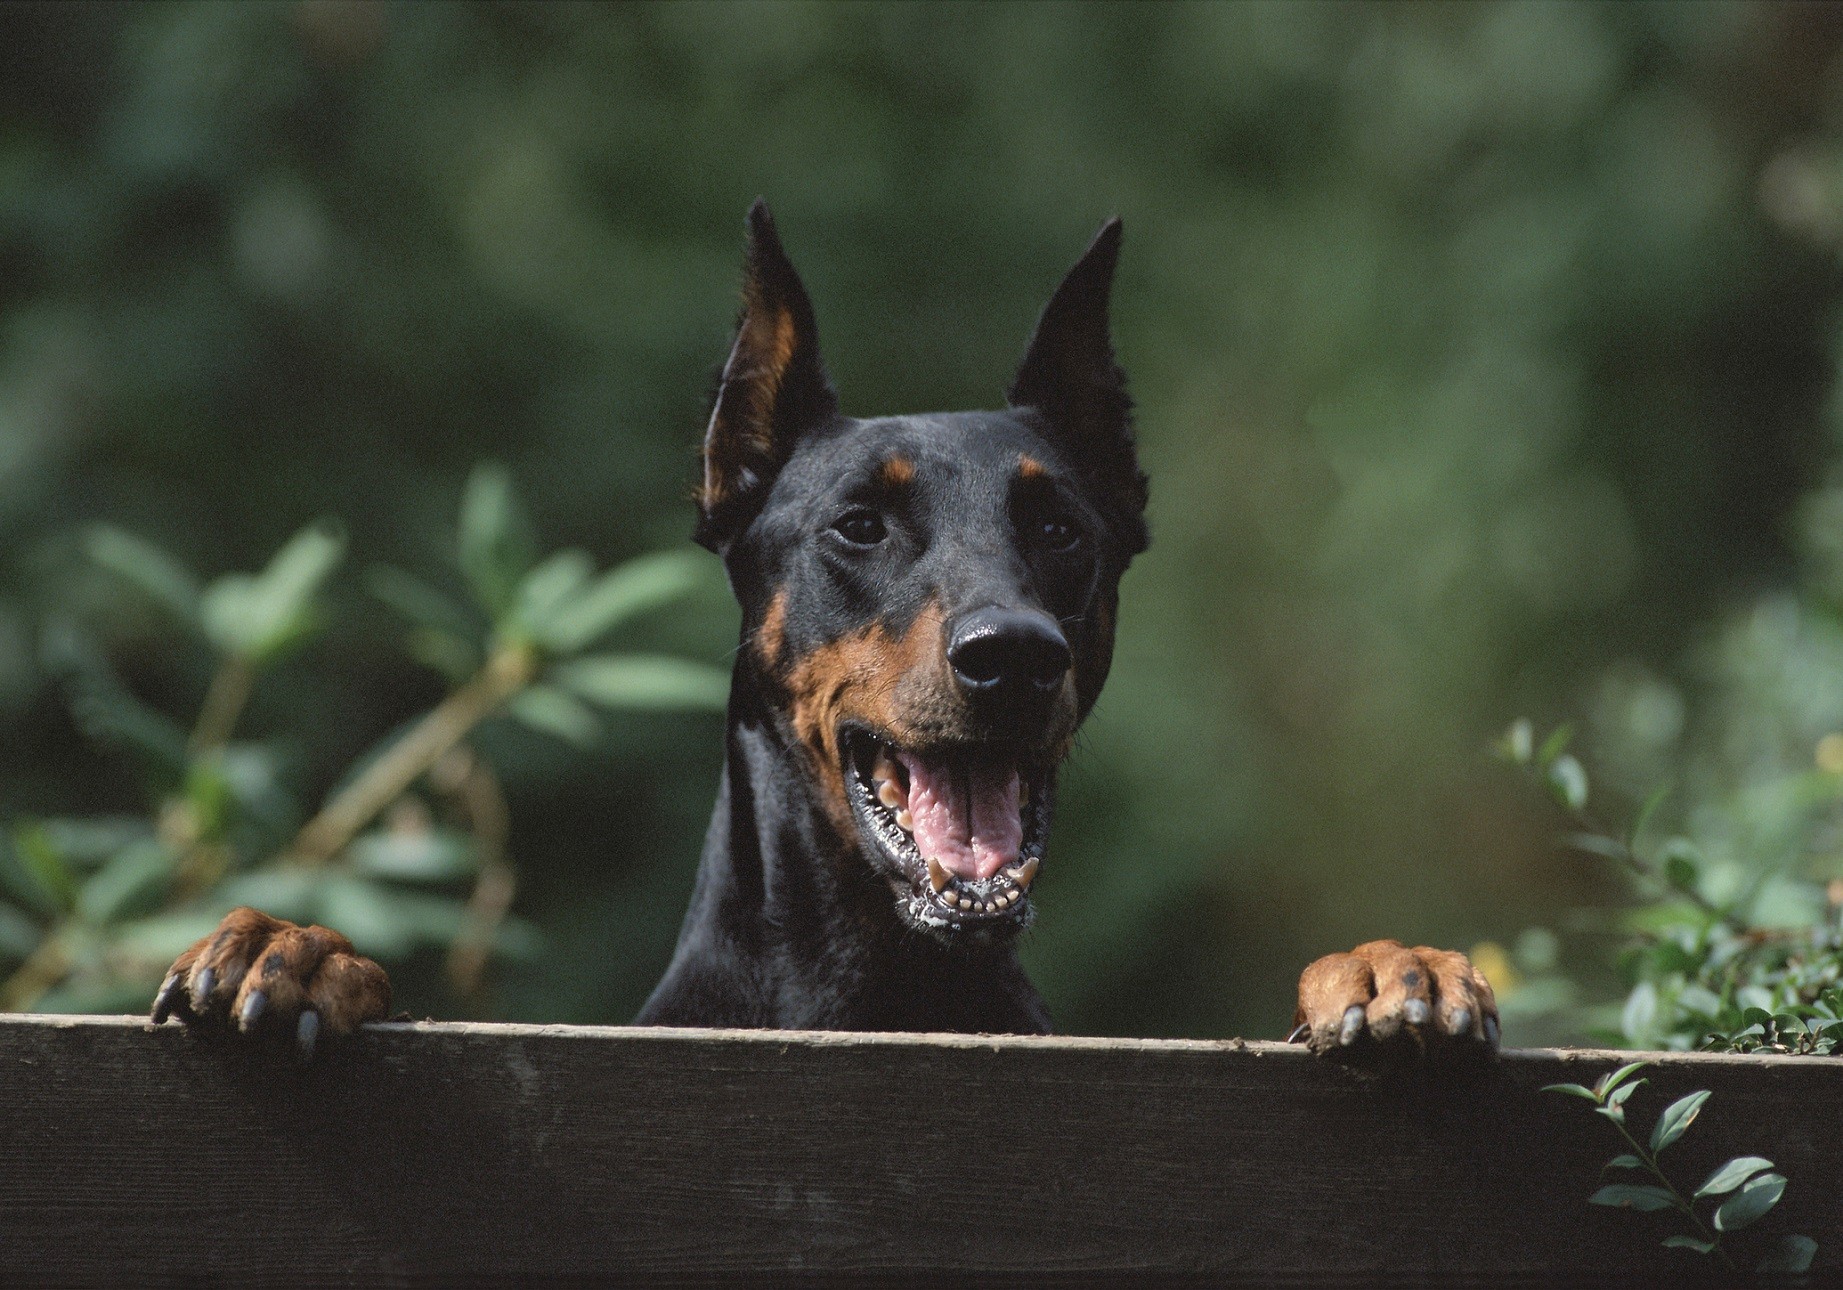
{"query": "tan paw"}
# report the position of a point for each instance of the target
(262, 974)
(1383, 995)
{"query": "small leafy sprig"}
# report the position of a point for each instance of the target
(1743, 1190)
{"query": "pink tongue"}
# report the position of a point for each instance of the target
(967, 818)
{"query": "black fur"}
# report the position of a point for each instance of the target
(796, 920)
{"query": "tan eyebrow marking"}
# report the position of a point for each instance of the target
(897, 472)
(1028, 467)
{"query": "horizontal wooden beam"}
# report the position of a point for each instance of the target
(495, 1151)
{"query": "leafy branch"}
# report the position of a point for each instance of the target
(1564, 776)
(1743, 1190)
(103, 904)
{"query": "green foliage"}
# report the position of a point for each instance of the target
(94, 908)
(1746, 1185)
(1713, 963)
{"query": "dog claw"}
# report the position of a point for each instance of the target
(168, 996)
(1461, 1022)
(252, 1010)
(306, 1031)
(938, 877)
(1491, 1030)
(1300, 1031)
(1415, 1012)
(201, 988)
(1352, 1025)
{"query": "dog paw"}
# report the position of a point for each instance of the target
(261, 975)
(1384, 999)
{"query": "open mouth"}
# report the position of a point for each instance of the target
(964, 828)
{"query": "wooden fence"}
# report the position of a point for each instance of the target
(485, 1152)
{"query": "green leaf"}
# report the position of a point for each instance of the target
(1572, 1090)
(389, 922)
(1680, 864)
(1676, 1119)
(161, 938)
(1627, 1161)
(645, 681)
(260, 617)
(420, 602)
(149, 569)
(1688, 1243)
(1518, 743)
(497, 546)
(290, 893)
(45, 866)
(1554, 745)
(431, 855)
(1618, 1096)
(1613, 1112)
(1748, 1205)
(1639, 1196)
(621, 595)
(452, 656)
(1614, 1079)
(1790, 1254)
(131, 884)
(1639, 1013)
(1567, 780)
(87, 842)
(556, 712)
(1732, 1175)
(1645, 812)
(548, 588)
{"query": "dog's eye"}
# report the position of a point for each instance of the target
(1058, 533)
(862, 527)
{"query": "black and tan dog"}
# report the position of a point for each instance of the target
(928, 614)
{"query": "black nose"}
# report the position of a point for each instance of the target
(1010, 653)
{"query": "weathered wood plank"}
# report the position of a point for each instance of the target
(476, 1151)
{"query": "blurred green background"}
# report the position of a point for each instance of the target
(1483, 352)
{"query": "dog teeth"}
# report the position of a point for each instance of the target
(889, 794)
(905, 821)
(1025, 874)
(938, 877)
(885, 768)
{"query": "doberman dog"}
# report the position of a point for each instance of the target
(928, 615)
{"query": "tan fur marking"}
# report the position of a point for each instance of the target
(1028, 467)
(891, 684)
(770, 636)
(764, 349)
(897, 472)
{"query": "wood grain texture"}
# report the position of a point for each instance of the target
(443, 1152)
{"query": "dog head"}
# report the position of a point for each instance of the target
(928, 601)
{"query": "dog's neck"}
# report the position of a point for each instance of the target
(789, 926)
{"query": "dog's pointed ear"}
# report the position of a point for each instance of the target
(1070, 376)
(773, 387)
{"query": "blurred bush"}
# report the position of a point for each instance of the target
(1478, 348)
(96, 907)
